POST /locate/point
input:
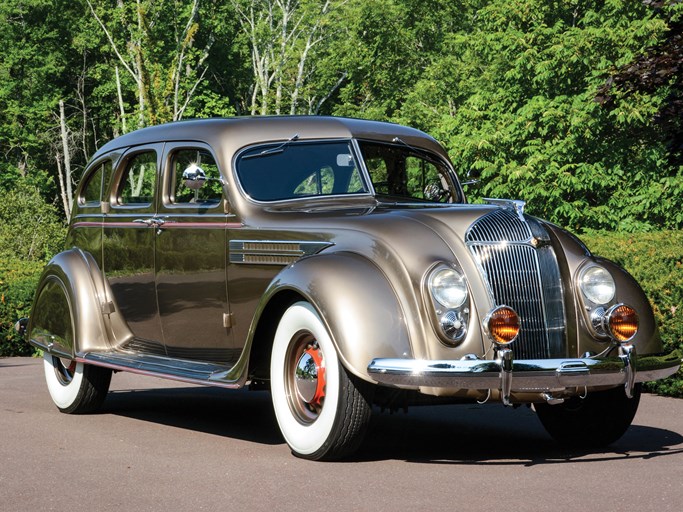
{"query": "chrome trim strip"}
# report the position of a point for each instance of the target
(273, 252)
(530, 375)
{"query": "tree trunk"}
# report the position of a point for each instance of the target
(67, 190)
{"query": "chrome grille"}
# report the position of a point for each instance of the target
(521, 270)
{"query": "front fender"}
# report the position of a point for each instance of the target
(67, 313)
(629, 291)
(355, 302)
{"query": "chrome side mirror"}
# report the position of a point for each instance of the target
(194, 177)
(434, 191)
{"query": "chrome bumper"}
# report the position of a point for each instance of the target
(527, 375)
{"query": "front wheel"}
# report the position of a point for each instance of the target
(75, 388)
(597, 420)
(322, 410)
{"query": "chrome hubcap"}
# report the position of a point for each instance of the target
(310, 376)
(305, 378)
(64, 369)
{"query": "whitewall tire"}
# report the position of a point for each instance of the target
(75, 387)
(322, 410)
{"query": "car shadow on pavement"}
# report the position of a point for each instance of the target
(495, 435)
(242, 414)
(451, 434)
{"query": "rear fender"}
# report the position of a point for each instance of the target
(67, 314)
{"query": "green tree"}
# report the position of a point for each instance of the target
(513, 98)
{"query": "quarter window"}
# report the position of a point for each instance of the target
(95, 186)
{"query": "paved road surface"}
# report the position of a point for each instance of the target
(164, 446)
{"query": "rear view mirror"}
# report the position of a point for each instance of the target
(345, 160)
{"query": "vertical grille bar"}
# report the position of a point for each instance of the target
(522, 277)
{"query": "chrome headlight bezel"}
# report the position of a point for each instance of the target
(597, 285)
(448, 287)
(448, 297)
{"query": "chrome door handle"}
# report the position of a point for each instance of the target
(155, 221)
(146, 222)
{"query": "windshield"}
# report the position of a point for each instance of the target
(400, 172)
(300, 169)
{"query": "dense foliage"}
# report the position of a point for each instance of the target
(574, 106)
(30, 232)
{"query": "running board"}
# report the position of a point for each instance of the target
(195, 372)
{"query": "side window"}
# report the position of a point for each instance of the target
(206, 191)
(377, 168)
(421, 175)
(137, 183)
(96, 184)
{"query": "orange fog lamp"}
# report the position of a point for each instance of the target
(503, 325)
(622, 321)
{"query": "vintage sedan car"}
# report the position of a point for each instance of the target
(337, 263)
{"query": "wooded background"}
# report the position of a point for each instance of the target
(574, 105)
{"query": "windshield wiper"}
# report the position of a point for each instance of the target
(399, 140)
(272, 151)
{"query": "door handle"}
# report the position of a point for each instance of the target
(154, 222)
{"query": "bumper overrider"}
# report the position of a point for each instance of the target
(546, 376)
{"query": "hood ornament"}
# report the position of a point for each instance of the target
(517, 205)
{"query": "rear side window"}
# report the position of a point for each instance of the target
(296, 170)
(139, 180)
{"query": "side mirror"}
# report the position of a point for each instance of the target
(434, 191)
(473, 177)
(194, 177)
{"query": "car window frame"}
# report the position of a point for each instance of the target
(121, 169)
(451, 174)
(166, 180)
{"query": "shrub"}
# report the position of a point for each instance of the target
(656, 261)
(18, 280)
(31, 231)
(30, 228)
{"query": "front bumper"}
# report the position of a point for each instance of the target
(527, 375)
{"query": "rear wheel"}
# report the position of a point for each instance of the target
(75, 387)
(322, 410)
(593, 422)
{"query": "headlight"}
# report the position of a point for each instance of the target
(446, 292)
(597, 285)
(448, 287)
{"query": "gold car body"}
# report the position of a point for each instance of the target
(192, 288)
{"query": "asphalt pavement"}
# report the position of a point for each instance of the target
(163, 446)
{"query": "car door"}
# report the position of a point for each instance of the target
(191, 257)
(128, 247)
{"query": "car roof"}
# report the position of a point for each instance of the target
(241, 131)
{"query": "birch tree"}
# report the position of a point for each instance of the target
(155, 42)
(283, 38)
